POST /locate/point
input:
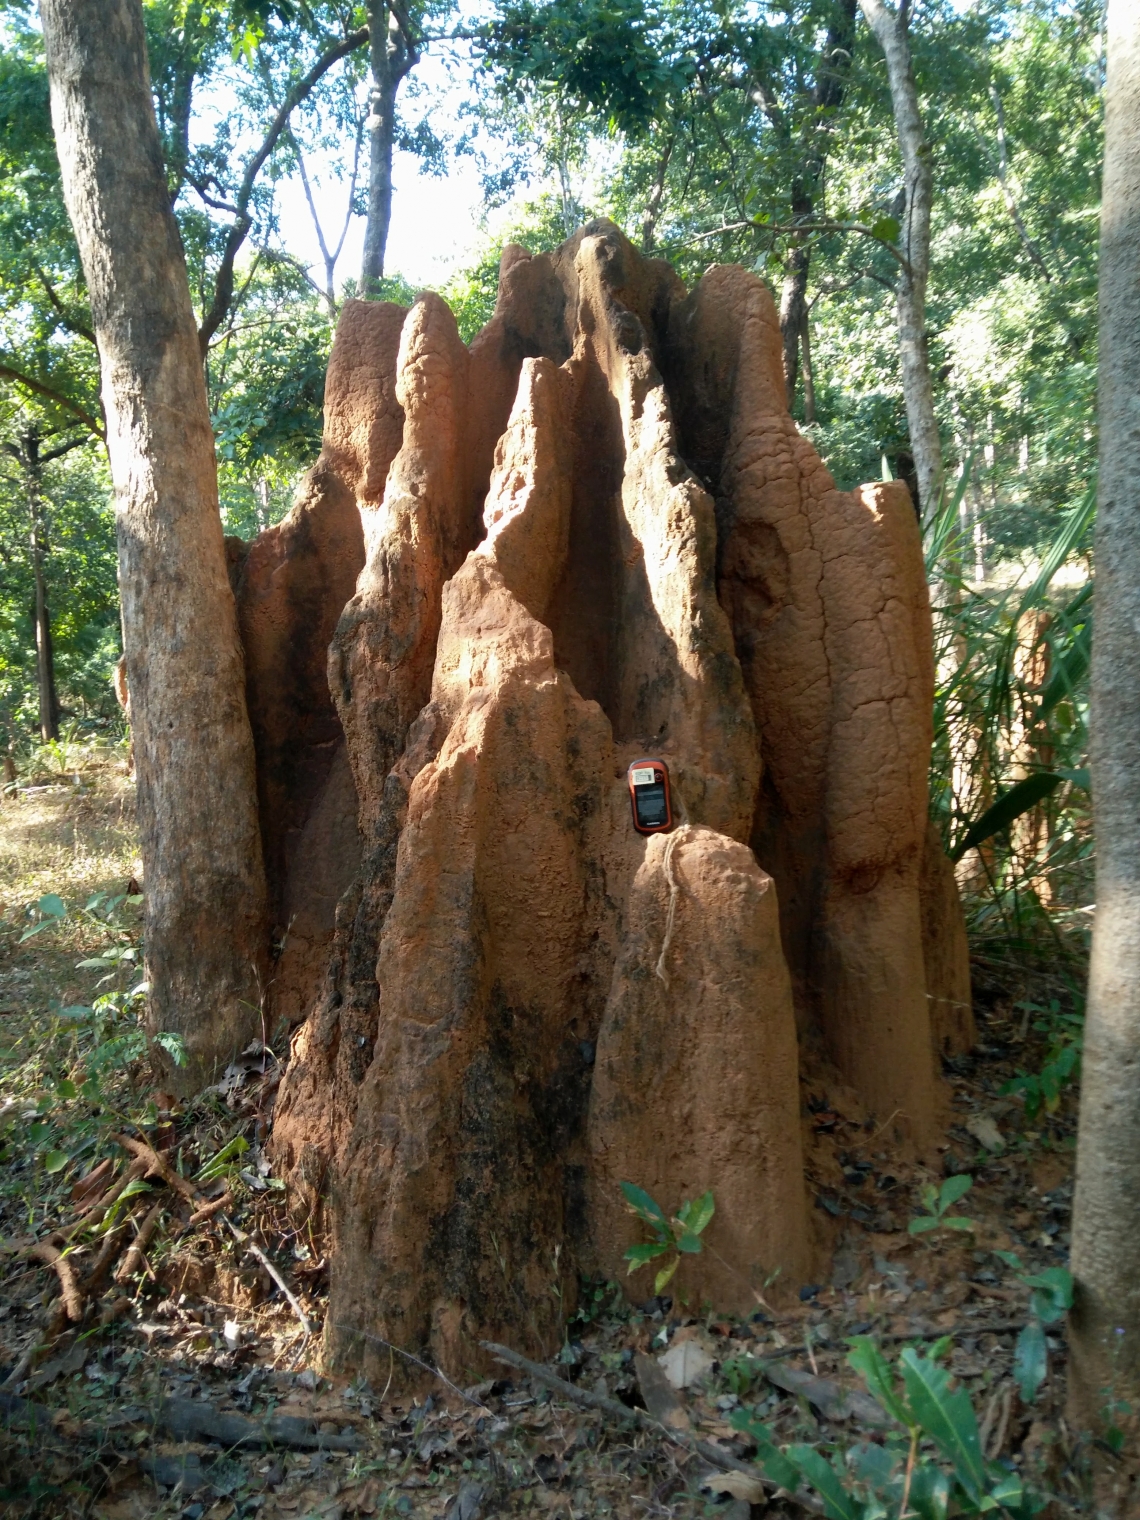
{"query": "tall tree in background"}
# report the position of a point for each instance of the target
(1105, 1325)
(394, 51)
(204, 879)
(889, 28)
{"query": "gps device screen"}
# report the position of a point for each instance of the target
(649, 794)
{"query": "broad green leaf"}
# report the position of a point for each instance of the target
(95, 963)
(837, 1502)
(954, 1188)
(947, 1417)
(228, 1154)
(921, 1225)
(1008, 1490)
(929, 1492)
(868, 1361)
(55, 1161)
(776, 1466)
(1053, 1293)
(644, 1207)
(690, 1244)
(665, 1276)
(66, 1089)
(1030, 1360)
(695, 1214)
(959, 1222)
(638, 1256)
(886, 229)
(53, 905)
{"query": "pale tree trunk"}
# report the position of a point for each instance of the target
(1105, 1324)
(393, 56)
(914, 241)
(45, 663)
(201, 844)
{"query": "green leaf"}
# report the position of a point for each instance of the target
(225, 1157)
(930, 1492)
(1053, 1293)
(871, 1365)
(690, 1244)
(776, 1466)
(644, 1207)
(665, 1276)
(1030, 1360)
(695, 1214)
(886, 229)
(954, 1188)
(173, 1044)
(66, 1089)
(52, 905)
(638, 1256)
(921, 1225)
(958, 1222)
(1007, 809)
(55, 1161)
(947, 1417)
(837, 1503)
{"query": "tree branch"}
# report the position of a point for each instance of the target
(823, 226)
(69, 322)
(224, 281)
(38, 388)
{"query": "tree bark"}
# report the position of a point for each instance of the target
(918, 390)
(393, 56)
(1105, 1324)
(201, 845)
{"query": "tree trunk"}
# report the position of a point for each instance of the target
(41, 618)
(809, 373)
(392, 56)
(918, 390)
(1105, 1325)
(201, 844)
(793, 300)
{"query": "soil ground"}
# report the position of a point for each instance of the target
(109, 1399)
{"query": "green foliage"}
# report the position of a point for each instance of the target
(931, 1464)
(1050, 1300)
(680, 1234)
(1062, 1064)
(937, 1201)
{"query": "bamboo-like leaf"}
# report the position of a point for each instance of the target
(871, 1365)
(1030, 1360)
(644, 1207)
(1009, 807)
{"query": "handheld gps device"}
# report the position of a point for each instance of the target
(649, 796)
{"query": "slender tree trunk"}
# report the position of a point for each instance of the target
(793, 298)
(201, 844)
(392, 56)
(1105, 1324)
(809, 373)
(45, 662)
(918, 390)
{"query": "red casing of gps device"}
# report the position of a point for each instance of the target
(660, 778)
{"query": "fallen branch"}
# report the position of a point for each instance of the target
(135, 1259)
(255, 1250)
(716, 1455)
(51, 1256)
(108, 1253)
(158, 1166)
(207, 1211)
(97, 1214)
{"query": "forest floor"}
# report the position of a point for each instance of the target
(179, 1379)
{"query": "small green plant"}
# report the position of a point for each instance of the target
(929, 1465)
(48, 913)
(681, 1234)
(1050, 1301)
(1062, 1064)
(937, 1203)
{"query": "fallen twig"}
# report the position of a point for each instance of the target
(108, 1252)
(51, 1256)
(255, 1250)
(716, 1455)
